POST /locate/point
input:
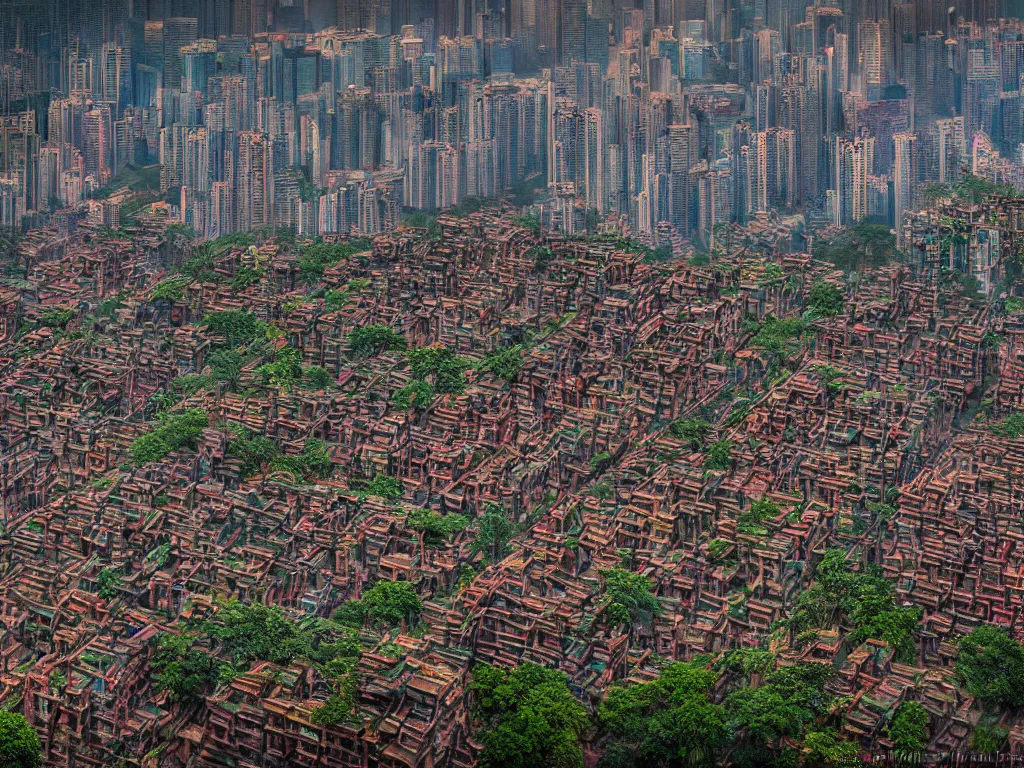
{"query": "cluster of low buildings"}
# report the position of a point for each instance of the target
(871, 431)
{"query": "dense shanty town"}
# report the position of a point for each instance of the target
(275, 501)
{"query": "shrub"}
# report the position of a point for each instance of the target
(691, 431)
(1011, 427)
(908, 730)
(173, 433)
(388, 603)
(530, 717)
(826, 300)
(719, 456)
(442, 367)
(369, 340)
(504, 363)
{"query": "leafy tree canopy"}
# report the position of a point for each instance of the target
(990, 666)
(691, 431)
(529, 718)
(186, 672)
(826, 300)
(504, 363)
(788, 700)
(441, 367)
(1011, 427)
(388, 603)
(865, 601)
(494, 531)
(861, 247)
(668, 722)
(19, 744)
(370, 340)
(908, 730)
(173, 433)
(630, 598)
(436, 529)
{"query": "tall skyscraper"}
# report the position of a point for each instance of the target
(255, 182)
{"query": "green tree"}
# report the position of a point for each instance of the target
(990, 666)
(719, 456)
(338, 708)
(435, 529)
(826, 300)
(316, 258)
(173, 433)
(988, 737)
(417, 394)
(824, 747)
(528, 717)
(863, 601)
(255, 632)
(859, 248)
(787, 701)
(369, 340)
(245, 278)
(56, 318)
(317, 378)
(630, 598)
(388, 603)
(255, 453)
(494, 531)
(439, 365)
(351, 613)
(1011, 427)
(504, 363)
(286, 370)
(109, 582)
(19, 744)
(226, 365)
(385, 487)
(172, 289)
(670, 721)
(691, 431)
(776, 336)
(313, 461)
(185, 672)
(237, 328)
(908, 730)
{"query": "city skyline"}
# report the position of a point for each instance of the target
(664, 119)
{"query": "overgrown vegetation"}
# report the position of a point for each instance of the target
(693, 432)
(174, 432)
(528, 717)
(385, 605)
(667, 722)
(19, 744)
(864, 602)
(861, 247)
(505, 363)
(317, 257)
(719, 456)
(369, 340)
(629, 599)
(1011, 427)
(990, 666)
(440, 367)
(495, 529)
(435, 529)
(908, 729)
(258, 453)
(826, 300)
